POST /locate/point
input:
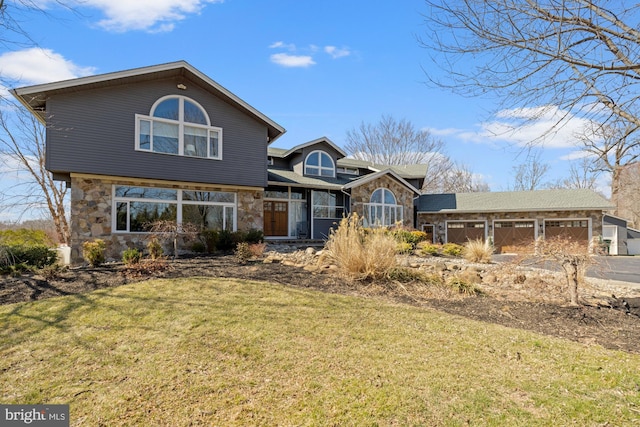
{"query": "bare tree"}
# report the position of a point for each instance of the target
(583, 173)
(628, 197)
(529, 175)
(615, 145)
(455, 178)
(22, 150)
(573, 256)
(579, 56)
(392, 142)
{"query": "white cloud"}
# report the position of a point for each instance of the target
(287, 60)
(36, 65)
(280, 44)
(547, 126)
(146, 15)
(337, 52)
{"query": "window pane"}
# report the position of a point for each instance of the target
(195, 141)
(121, 216)
(312, 159)
(326, 172)
(165, 138)
(143, 214)
(167, 109)
(145, 135)
(320, 212)
(193, 113)
(320, 198)
(146, 193)
(208, 196)
(376, 197)
(228, 217)
(208, 217)
(326, 161)
(389, 198)
(312, 171)
(214, 143)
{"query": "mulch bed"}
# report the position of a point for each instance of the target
(614, 327)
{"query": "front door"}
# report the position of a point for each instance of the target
(276, 216)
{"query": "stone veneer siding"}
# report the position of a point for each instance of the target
(404, 196)
(440, 219)
(91, 212)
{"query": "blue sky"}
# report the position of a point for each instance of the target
(318, 68)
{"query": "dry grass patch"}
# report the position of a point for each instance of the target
(230, 352)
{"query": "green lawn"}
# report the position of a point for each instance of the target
(228, 352)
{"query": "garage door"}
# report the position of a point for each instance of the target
(512, 236)
(576, 230)
(462, 232)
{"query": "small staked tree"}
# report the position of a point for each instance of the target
(170, 231)
(573, 256)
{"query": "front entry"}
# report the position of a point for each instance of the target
(276, 216)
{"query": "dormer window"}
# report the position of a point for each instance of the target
(319, 163)
(180, 126)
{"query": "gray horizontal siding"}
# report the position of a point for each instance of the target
(94, 132)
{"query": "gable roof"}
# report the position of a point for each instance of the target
(35, 97)
(283, 152)
(368, 178)
(410, 171)
(286, 177)
(513, 201)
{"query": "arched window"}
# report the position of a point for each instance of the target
(178, 125)
(319, 163)
(383, 209)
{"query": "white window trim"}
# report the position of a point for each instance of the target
(181, 125)
(179, 202)
(320, 167)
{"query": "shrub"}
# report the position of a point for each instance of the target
(93, 252)
(257, 249)
(462, 286)
(404, 247)
(361, 254)
(198, 247)
(155, 249)
(253, 236)
(428, 249)
(226, 240)
(478, 251)
(36, 256)
(452, 249)
(25, 237)
(242, 252)
(131, 256)
(210, 240)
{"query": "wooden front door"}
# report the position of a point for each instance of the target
(276, 216)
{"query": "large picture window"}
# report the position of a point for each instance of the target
(178, 125)
(135, 208)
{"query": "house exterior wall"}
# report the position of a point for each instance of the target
(93, 132)
(361, 195)
(439, 219)
(92, 207)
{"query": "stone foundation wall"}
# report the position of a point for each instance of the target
(92, 207)
(362, 194)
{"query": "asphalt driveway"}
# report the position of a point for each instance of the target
(621, 268)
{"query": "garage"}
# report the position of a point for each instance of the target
(461, 232)
(511, 236)
(574, 229)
